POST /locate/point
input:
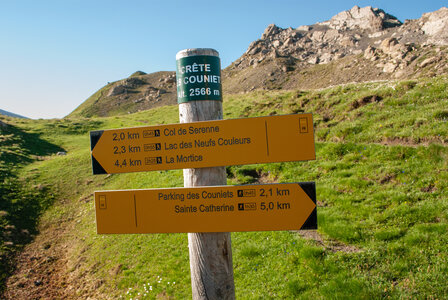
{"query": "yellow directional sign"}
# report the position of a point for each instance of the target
(203, 144)
(289, 206)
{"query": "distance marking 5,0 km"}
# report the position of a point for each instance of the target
(286, 206)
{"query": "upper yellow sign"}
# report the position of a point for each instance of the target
(203, 144)
(283, 206)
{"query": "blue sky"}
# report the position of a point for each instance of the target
(55, 54)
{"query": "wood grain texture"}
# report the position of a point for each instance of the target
(210, 253)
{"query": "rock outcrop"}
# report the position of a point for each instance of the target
(138, 92)
(360, 44)
(435, 25)
(366, 18)
(358, 30)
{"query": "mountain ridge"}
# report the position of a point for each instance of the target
(10, 114)
(383, 199)
(357, 45)
(362, 44)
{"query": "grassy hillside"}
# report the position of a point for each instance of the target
(381, 178)
(20, 203)
(271, 74)
(10, 114)
(138, 92)
(142, 91)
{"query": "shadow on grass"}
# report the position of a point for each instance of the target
(20, 203)
(18, 146)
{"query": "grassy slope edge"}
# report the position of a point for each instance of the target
(381, 178)
(20, 204)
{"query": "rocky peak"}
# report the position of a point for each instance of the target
(270, 31)
(366, 30)
(365, 18)
(435, 25)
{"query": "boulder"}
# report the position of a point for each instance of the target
(133, 82)
(388, 45)
(393, 48)
(369, 53)
(117, 90)
(276, 43)
(270, 31)
(170, 79)
(304, 28)
(429, 61)
(347, 41)
(389, 67)
(366, 18)
(326, 58)
(435, 24)
(313, 60)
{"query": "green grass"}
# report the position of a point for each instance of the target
(410, 111)
(382, 190)
(21, 204)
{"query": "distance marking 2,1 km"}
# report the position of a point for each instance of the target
(282, 206)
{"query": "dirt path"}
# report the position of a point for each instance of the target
(327, 244)
(47, 268)
(41, 268)
(50, 267)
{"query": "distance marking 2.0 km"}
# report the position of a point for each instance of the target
(203, 144)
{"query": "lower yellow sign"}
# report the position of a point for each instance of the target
(286, 206)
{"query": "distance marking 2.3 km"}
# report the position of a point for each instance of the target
(204, 144)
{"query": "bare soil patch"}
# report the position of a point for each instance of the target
(328, 244)
(41, 267)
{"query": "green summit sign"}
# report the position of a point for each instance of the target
(198, 78)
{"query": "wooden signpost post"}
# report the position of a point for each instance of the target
(211, 263)
(202, 145)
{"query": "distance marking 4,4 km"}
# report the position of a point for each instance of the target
(203, 144)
